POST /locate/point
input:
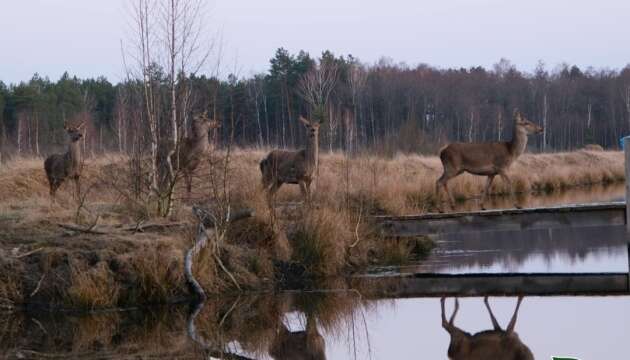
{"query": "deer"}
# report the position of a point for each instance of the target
(485, 159)
(60, 167)
(194, 148)
(299, 345)
(489, 344)
(292, 167)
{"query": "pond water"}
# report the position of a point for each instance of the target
(339, 325)
(355, 323)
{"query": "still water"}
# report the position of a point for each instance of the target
(354, 323)
(321, 326)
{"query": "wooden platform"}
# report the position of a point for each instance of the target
(428, 285)
(603, 214)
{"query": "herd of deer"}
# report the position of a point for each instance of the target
(300, 167)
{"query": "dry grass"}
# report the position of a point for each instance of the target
(333, 237)
(94, 287)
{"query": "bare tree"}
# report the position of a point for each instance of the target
(168, 34)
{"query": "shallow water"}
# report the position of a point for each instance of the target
(355, 323)
(347, 327)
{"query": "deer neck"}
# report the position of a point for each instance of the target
(519, 142)
(312, 151)
(74, 155)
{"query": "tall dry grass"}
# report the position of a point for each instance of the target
(333, 237)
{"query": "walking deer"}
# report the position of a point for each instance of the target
(485, 159)
(299, 345)
(193, 149)
(489, 344)
(60, 167)
(292, 167)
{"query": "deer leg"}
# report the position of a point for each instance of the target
(512, 324)
(77, 187)
(495, 323)
(508, 181)
(188, 179)
(484, 196)
(271, 193)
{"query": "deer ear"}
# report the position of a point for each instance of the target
(214, 124)
(304, 121)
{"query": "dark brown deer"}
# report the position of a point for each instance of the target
(490, 344)
(299, 345)
(292, 167)
(192, 150)
(60, 167)
(485, 159)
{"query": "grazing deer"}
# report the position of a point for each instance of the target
(299, 345)
(489, 344)
(485, 159)
(292, 167)
(193, 149)
(59, 167)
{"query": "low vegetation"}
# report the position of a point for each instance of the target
(121, 256)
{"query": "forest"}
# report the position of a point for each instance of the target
(385, 107)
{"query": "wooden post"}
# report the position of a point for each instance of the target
(626, 149)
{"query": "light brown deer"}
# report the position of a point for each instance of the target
(485, 159)
(299, 345)
(60, 167)
(292, 167)
(488, 344)
(192, 150)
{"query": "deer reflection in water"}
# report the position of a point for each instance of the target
(299, 345)
(496, 344)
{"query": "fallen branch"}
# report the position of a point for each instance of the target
(201, 240)
(82, 230)
(143, 227)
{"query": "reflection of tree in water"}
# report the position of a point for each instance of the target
(246, 327)
(512, 248)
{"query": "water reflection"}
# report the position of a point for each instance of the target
(488, 344)
(564, 250)
(329, 325)
(587, 195)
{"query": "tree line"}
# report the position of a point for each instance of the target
(384, 107)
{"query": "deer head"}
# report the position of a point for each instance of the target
(312, 128)
(74, 131)
(202, 124)
(525, 125)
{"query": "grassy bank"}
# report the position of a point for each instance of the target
(130, 257)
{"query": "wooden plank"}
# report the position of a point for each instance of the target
(626, 147)
(607, 214)
(426, 285)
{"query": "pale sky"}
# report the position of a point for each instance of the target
(83, 36)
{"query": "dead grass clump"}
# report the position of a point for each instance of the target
(93, 287)
(319, 242)
(158, 274)
(11, 292)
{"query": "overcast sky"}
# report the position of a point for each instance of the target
(83, 36)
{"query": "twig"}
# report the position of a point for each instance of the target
(356, 229)
(28, 253)
(39, 284)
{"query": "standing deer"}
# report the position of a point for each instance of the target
(485, 159)
(292, 167)
(488, 344)
(299, 345)
(193, 149)
(59, 167)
